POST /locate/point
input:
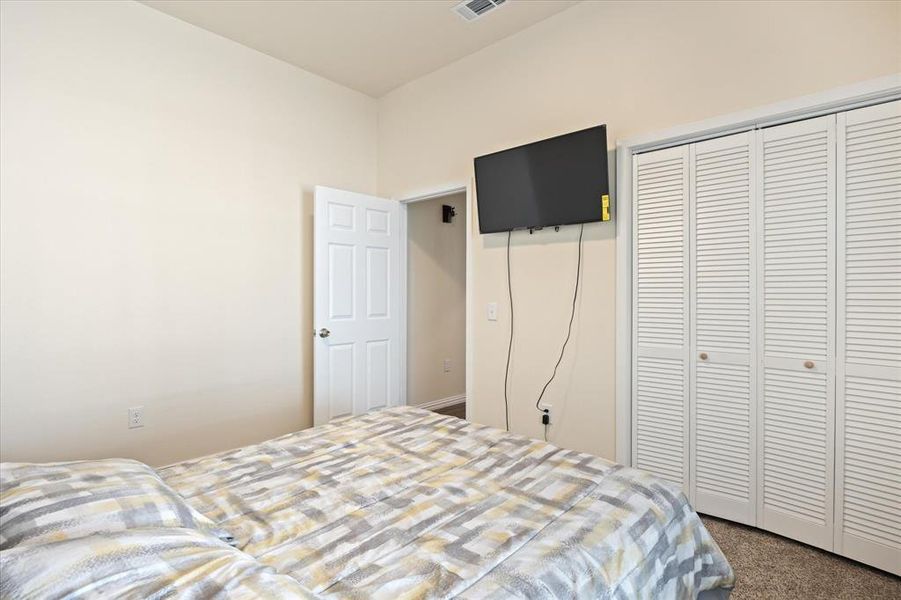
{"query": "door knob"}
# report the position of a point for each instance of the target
(324, 333)
(703, 356)
(808, 364)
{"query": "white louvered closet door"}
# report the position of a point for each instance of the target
(797, 307)
(660, 315)
(723, 330)
(868, 445)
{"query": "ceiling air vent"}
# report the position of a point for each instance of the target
(472, 10)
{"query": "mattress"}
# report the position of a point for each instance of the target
(406, 503)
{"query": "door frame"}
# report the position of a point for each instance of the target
(866, 93)
(439, 192)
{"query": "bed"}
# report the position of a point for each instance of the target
(398, 503)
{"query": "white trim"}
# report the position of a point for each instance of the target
(623, 309)
(402, 346)
(470, 221)
(430, 195)
(442, 402)
(875, 91)
(865, 93)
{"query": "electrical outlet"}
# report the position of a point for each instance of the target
(135, 417)
(547, 409)
(447, 365)
(492, 311)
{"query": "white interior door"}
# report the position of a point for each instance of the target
(797, 306)
(723, 328)
(868, 402)
(356, 276)
(660, 335)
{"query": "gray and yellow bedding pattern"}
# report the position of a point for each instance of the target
(52, 502)
(150, 564)
(405, 503)
(401, 503)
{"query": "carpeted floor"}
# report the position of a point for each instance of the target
(457, 410)
(769, 566)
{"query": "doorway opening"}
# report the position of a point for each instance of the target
(436, 248)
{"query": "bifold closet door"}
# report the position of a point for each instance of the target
(796, 255)
(723, 328)
(868, 445)
(660, 314)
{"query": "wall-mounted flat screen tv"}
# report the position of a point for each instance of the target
(557, 181)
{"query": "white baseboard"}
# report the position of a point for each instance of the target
(442, 402)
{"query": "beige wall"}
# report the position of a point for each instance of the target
(156, 213)
(639, 67)
(155, 231)
(436, 300)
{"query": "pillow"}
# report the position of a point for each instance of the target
(140, 563)
(49, 502)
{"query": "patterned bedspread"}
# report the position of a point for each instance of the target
(406, 503)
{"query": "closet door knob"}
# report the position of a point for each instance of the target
(703, 356)
(808, 364)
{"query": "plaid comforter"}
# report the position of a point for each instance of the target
(405, 503)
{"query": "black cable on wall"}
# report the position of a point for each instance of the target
(510, 344)
(569, 329)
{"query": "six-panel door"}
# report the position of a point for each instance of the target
(356, 302)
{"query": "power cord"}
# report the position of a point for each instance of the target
(510, 344)
(545, 420)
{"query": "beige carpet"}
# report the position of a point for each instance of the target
(770, 566)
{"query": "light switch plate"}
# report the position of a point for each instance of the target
(492, 311)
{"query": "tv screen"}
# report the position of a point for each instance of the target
(557, 181)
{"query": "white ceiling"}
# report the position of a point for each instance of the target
(372, 46)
